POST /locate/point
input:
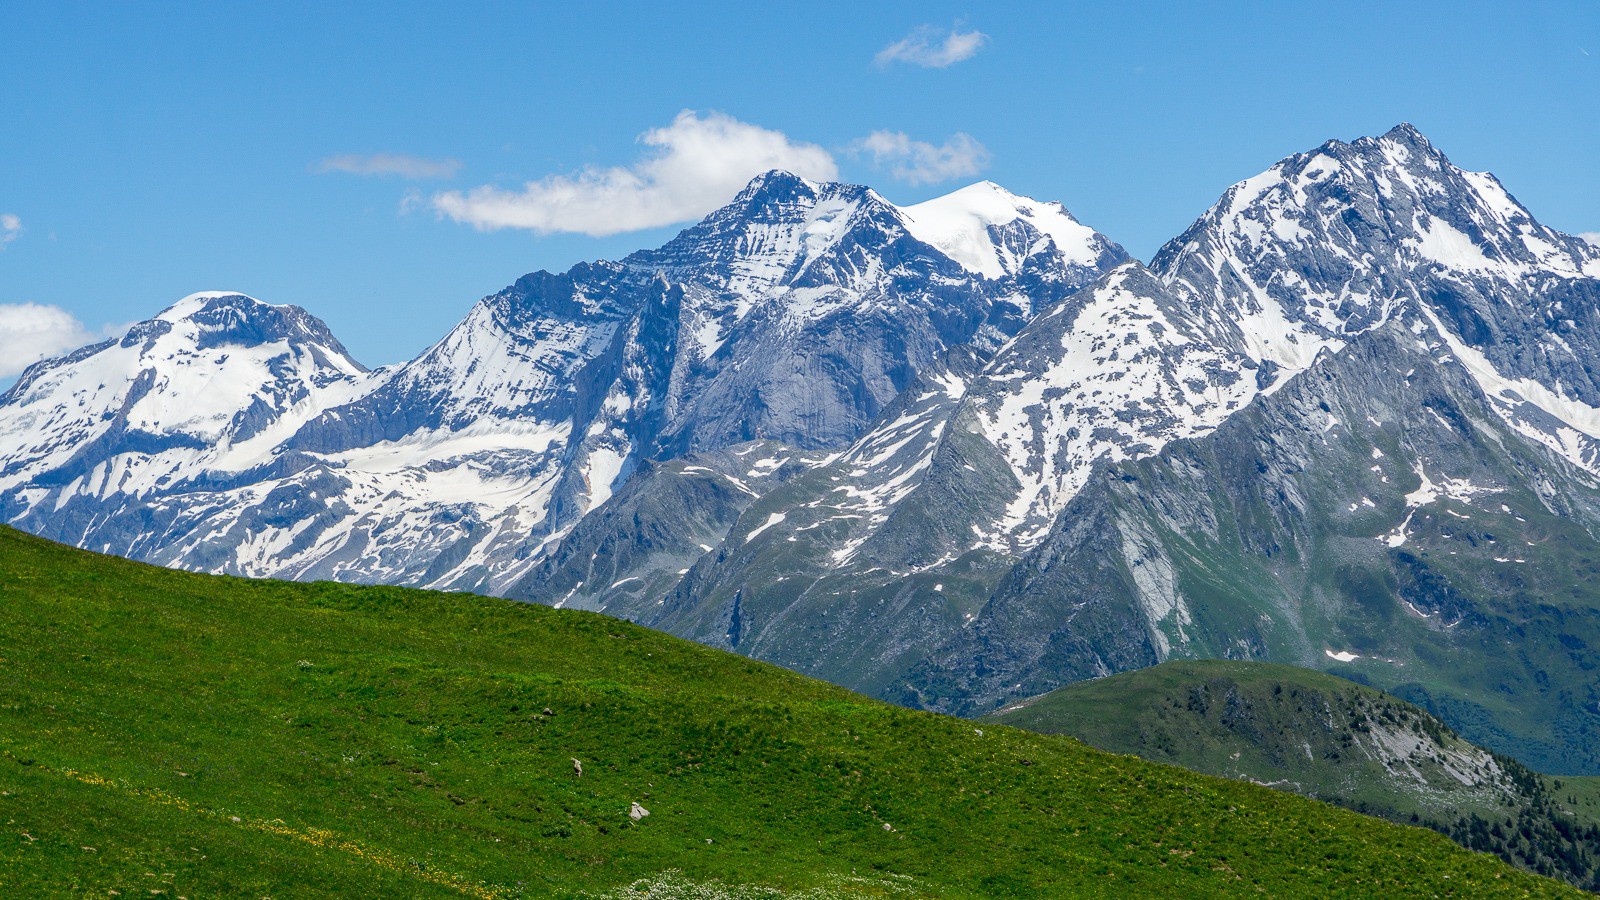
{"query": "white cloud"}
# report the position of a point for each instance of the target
(933, 48)
(1592, 237)
(414, 167)
(919, 162)
(10, 229)
(695, 165)
(30, 332)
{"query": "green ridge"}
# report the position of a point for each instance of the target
(200, 736)
(1323, 736)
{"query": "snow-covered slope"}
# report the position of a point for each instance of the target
(1116, 376)
(854, 568)
(992, 232)
(215, 383)
(1409, 497)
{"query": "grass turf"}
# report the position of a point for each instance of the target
(199, 736)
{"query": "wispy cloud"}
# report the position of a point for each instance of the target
(397, 164)
(919, 162)
(1592, 237)
(10, 229)
(694, 165)
(30, 332)
(933, 48)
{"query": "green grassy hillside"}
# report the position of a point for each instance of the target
(179, 735)
(1325, 737)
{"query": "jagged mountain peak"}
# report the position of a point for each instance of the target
(780, 224)
(1396, 195)
(780, 186)
(209, 321)
(779, 195)
(214, 381)
(795, 312)
(1403, 136)
(767, 235)
(1408, 133)
(1334, 241)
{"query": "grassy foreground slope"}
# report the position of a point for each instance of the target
(1329, 738)
(200, 736)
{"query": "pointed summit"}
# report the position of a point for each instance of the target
(1407, 133)
(1340, 241)
(772, 195)
(1337, 240)
(188, 391)
(765, 235)
(776, 184)
(793, 314)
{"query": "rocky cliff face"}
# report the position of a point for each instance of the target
(1335, 242)
(815, 305)
(856, 566)
(1375, 516)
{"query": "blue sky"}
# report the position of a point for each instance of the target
(148, 151)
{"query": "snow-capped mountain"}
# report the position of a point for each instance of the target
(990, 512)
(950, 453)
(1405, 499)
(1374, 517)
(210, 388)
(1334, 242)
(794, 314)
(994, 233)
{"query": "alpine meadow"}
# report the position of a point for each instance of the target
(777, 539)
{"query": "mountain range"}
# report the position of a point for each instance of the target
(951, 454)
